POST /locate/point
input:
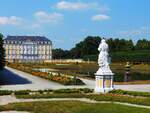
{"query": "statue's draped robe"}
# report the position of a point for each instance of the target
(103, 59)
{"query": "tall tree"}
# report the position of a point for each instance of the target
(129, 45)
(2, 53)
(143, 44)
(60, 54)
(120, 44)
(86, 47)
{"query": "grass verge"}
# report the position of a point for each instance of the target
(97, 97)
(72, 107)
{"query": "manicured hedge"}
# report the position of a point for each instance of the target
(5, 92)
(119, 77)
(132, 93)
(132, 56)
(48, 91)
(56, 95)
(84, 90)
(124, 56)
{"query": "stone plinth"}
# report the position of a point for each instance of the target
(103, 81)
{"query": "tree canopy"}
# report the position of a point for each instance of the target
(2, 53)
(60, 54)
(143, 44)
(88, 47)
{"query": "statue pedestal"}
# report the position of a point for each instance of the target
(103, 80)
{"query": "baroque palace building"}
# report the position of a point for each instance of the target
(27, 48)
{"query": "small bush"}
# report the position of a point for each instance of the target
(67, 91)
(22, 92)
(86, 90)
(132, 93)
(5, 92)
(81, 90)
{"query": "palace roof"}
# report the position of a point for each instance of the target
(27, 38)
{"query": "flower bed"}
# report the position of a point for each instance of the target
(65, 80)
(57, 77)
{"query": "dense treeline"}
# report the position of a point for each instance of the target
(121, 49)
(2, 53)
(60, 54)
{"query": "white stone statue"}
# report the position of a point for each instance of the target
(103, 59)
(103, 55)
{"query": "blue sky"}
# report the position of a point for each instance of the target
(67, 22)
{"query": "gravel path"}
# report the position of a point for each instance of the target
(13, 79)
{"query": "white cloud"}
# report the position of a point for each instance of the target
(100, 17)
(136, 32)
(131, 32)
(13, 20)
(43, 17)
(77, 5)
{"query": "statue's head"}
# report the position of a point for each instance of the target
(103, 45)
(103, 41)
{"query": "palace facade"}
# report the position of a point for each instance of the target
(27, 48)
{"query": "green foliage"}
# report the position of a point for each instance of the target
(124, 56)
(2, 53)
(132, 93)
(120, 44)
(90, 57)
(143, 44)
(120, 96)
(5, 92)
(60, 54)
(48, 91)
(22, 92)
(132, 56)
(72, 107)
(119, 77)
(67, 91)
(84, 90)
(52, 95)
(86, 47)
(121, 50)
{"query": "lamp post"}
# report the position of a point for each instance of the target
(127, 75)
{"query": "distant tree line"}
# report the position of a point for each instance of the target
(87, 49)
(2, 53)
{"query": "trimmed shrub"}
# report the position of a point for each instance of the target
(22, 92)
(132, 93)
(67, 91)
(5, 92)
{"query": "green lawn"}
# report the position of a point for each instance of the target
(100, 97)
(72, 107)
